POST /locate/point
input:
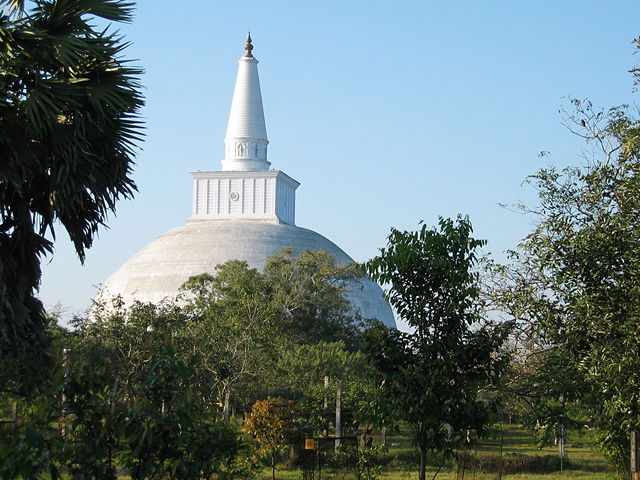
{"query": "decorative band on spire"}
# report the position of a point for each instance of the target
(248, 47)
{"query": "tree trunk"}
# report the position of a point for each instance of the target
(635, 454)
(450, 431)
(338, 415)
(325, 406)
(423, 463)
(560, 438)
(227, 399)
(273, 465)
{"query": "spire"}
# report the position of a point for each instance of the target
(245, 144)
(248, 47)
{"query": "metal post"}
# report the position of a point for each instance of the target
(309, 459)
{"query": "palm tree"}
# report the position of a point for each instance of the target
(69, 130)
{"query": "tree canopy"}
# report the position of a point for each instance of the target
(69, 127)
(574, 282)
(435, 373)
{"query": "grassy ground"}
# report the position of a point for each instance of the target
(579, 448)
(449, 475)
(507, 447)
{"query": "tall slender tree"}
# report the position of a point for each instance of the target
(435, 373)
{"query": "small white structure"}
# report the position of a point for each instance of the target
(245, 211)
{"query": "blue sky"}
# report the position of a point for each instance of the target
(388, 113)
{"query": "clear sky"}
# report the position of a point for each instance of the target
(388, 113)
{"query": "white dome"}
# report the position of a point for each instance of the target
(158, 270)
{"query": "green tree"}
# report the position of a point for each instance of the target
(130, 337)
(73, 426)
(68, 130)
(271, 422)
(435, 373)
(242, 320)
(310, 374)
(575, 280)
(308, 290)
(86, 424)
(233, 326)
(168, 434)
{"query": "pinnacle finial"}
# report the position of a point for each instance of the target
(248, 47)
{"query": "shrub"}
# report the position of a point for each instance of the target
(512, 463)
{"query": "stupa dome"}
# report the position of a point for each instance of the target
(158, 270)
(243, 212)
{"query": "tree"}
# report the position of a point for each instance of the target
(435, 373)
(130, 337)
(308, 290)
(233, 325)
(575, 280)
(242, 320)
(84, 425)
(310, 374)
(270, 422)
(68, 131)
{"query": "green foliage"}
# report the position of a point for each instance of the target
(310, 375)
(272, 423)
(143, 388)
(370, 461)
(243, 321)
(575, 280)
(234, 337)
(232, 326)
(308, 290)
(130, 338)
(167, 435)
(85, 425)
(434, 374)
(73, 426)
(68, 130)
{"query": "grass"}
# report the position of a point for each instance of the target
(508, 448)
(449, 475)
(516, 441)
(585, 463)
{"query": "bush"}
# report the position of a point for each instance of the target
(516, 463)
(410, 459)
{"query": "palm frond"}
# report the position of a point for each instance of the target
(69, 133)
(14, 6)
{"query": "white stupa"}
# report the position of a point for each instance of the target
(245, 211)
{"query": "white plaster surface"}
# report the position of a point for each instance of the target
(243, 212)
(246, 138)
(252, 195)
(158, 270)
